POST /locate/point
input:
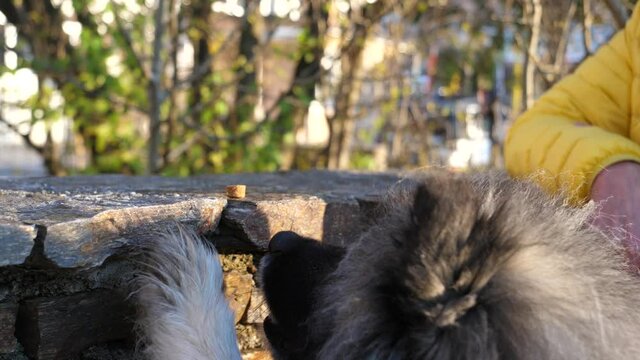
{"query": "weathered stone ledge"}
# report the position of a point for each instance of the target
(64, 265)
(80, 221)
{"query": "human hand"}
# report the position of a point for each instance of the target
(616, 190)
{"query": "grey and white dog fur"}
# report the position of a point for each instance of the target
(458, 267)
(184, 312)
(452, 267)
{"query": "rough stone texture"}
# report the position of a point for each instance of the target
(259, 221)
(18, 283)
(239, 262)
(258, 309)
(257, 355)
(61, 247)
(82, 220)
(88, 241)
(53, 328)
(16, 244)
(250, 337)
(238, 290)
(8, 312)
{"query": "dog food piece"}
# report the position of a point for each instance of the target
(236, 191)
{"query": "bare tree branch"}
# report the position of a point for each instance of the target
(25, 137)
(535, 9)
(10, 11)
(587, 23)
(617, 9)
(128, 42)
(564, 41)
(203, 68)
(211, 138)
(174, 154)
(627, 4)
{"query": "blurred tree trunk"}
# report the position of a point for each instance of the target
(307, 76)
(245, 92)
(51, 156)
(565, 21)
(534, 9)
(618, 11)
(550, 24)
(198, 13)
(362, 19)
(401, 120)
(400, 98)
(342, 125)
(155, 88)
(174, 24)
(587, 24)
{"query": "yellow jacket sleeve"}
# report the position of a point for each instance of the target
(582, 124)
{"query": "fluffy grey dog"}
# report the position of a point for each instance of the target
(456, 267)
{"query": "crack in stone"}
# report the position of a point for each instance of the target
(37, 258)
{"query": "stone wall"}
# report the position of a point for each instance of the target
(66, 262)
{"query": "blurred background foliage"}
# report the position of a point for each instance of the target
(182, 87)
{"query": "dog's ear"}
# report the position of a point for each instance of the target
(441, 199)
(436, 241)
(424, 211)
(424, 204)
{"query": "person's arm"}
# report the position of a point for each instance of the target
(582, 124)
(616, 189)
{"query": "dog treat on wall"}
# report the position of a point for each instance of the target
(236, 191)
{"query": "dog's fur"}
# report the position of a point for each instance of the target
(458, 267)
(454, 267)
(185, 314)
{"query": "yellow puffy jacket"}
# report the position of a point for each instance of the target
(587, 121)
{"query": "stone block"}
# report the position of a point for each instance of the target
(61, 327)
(8, 312)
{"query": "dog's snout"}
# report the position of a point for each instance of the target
(283, 241)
